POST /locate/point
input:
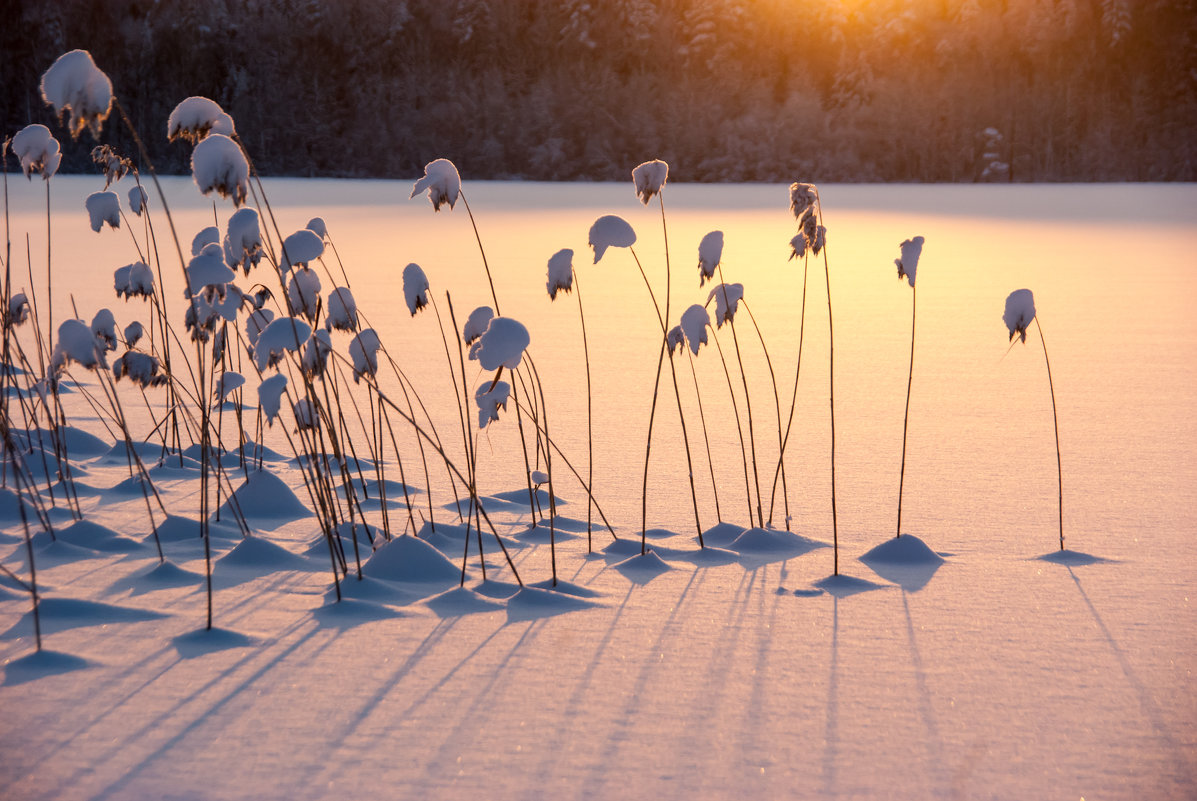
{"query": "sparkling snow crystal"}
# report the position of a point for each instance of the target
(1020, 311)
(650, 179)
(217, 164)
(74, 83)
(710, 253)
(610, 231)
(561, 272)
(909, 263)
(37, 150)
(442, 182)
(415, 288)
(103, 207)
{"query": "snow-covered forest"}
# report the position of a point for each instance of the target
(724, 90)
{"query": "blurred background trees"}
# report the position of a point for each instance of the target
(724, 90)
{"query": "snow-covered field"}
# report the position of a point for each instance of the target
(733, 673)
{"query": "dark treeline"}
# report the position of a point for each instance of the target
(724, 90)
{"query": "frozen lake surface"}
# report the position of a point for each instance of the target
(997, 674)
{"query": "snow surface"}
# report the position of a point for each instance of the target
(754, 673)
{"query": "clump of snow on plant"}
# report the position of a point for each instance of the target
(306, 416)
(317, 226)
(103, 207)
(303, 291)
(195, 118)
(76, 343)
(476, 323)
(909, 262)
(363, 350)
(695, 322)
(138, 198)
(280, 336)
(140, 368)
(342, 310)
(1020, 311)
(103, 328)
(727, 299)
(133, 332)
(803, 198)
(270, 394)
(74, 83)
(502, 344)
(415, 288)
(539, 477)
(300, 248)
(217, 164)
(228, 382)
(206, 236)
(243, 240)
(561, 272)
(134, 280)
(315, 353)
(37, 150)
(710, 254)
(255, 323)
(610, 231)
(18, 309)
(490, 398)
(207, 270)
(675, 339)
(650, 178)
(442, 182)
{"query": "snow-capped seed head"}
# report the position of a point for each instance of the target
(315, 353)
(286, 334)
(561, 272)
(74, 83)
(415, 288)
(307, 418)
(243, 240)
(134, 331)
(303, 291)
(727, 299)
(103, 207)
(363, 349)
(103, 328)
(797, 246)
(316, 226)
(650, 178)
(140, 368)
(112, 164)
(228, 382)
(37, 150)
(207, 270)
(710, 254)
(76, 343)
(301, 247)
(476, 323)
(138, 198)
(442, 182)
(196, 117)
(539, 477)
(255, 324)
(270, 395)
(610, 231)
(675, 339)
(819, 241)
(1020, 311)
(502, 344)
(909, 262)
(695, 322)
(342, 310)
(18, 309)
(217, 164)
(490, 398)
(803, 198)
(261, 295)
(205, 237)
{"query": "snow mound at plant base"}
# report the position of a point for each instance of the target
(767, 540)
(260, 555)
(264, 496)
(407, 558)
(905, 550)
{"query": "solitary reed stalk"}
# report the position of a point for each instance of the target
(906, 415)
(835, 533)
(1056, 427)
(589, 421)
